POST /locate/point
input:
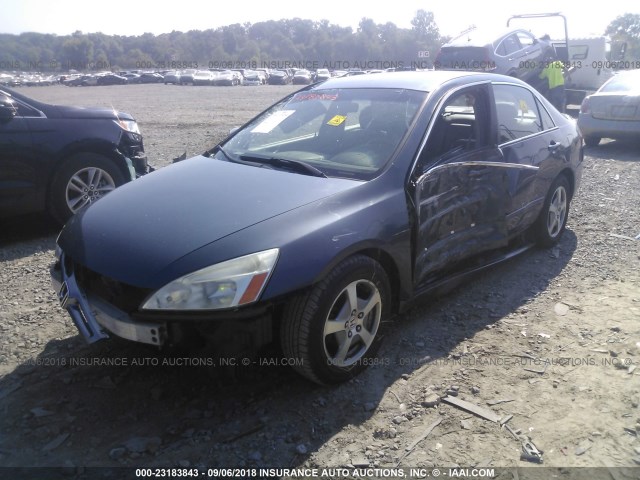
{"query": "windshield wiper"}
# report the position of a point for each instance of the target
(297, 165)
(218, 148)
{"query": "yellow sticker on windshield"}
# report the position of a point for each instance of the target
(523, 106)
(337, 120)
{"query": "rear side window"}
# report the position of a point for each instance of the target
(508, 46)
(545, 118)
(525, 39)
(518, 113)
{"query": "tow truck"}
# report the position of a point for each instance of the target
(589, 61)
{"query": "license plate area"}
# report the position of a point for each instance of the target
(623, 112)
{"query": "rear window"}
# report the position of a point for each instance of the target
(463, 58)
(622, 83)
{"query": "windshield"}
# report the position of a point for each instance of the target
(349, 133)
(623, 82)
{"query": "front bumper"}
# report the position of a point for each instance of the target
(97, 318)
(94, 317)
(131, 147)
(140, 165)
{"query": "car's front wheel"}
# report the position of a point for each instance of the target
(553, 219)
(83, 179)
(332, 332)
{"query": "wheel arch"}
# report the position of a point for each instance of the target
(98, 148)
(380, 255)
(570, 176)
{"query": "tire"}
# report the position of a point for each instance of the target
(591, 141)
(323, 335)
(552, 221)
(82, 179)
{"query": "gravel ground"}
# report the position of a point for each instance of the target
(551, 337)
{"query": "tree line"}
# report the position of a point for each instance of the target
(275, 43)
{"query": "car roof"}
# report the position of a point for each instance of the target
(425, 81)
(624, 73)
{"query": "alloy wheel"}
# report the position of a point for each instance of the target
(557, 211)
(352, 323)
(86, 186)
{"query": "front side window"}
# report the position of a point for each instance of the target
(349, 133)
(459, 127)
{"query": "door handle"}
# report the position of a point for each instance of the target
(553, 146)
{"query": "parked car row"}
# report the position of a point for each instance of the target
(262, 76)
(205, 77)
(29, 80)
(106, 78)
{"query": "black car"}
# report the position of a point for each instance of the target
(513, 52)
(302, 77)
(148, 77)
(59, 159)
(279, 77)
(82, 81)
(172, 77)
(131, 77)
(112, 79)
(325, 216)
(186, 77)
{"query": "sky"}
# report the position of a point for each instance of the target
(135, 17)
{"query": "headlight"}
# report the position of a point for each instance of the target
(128, 125)
(224, 285)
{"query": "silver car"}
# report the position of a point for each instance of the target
(613, 111)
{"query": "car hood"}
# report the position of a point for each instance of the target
(60, 111)
(134, 233)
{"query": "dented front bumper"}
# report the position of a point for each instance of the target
(93, 317)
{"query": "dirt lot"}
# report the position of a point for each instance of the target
(551, 337)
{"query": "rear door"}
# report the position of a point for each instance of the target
(533, 148)
(510, 50)
(530, 58)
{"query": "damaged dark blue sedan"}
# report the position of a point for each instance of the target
(323, 217)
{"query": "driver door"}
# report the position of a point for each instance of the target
(18, 171)
(460, 187)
